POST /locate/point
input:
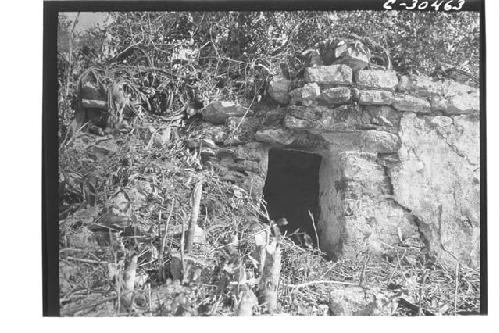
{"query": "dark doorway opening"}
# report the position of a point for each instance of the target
(292, 189)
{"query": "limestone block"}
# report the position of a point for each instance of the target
(373, 141)
(408, 103)
(358, 301)
(308, 92)
(354, 55)
(313, 117)
(375, 97)
(350, 118)
(377, 79)
(312, 113)
(336, 95)
(334, 74)
(276, 136)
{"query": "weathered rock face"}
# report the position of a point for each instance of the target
(357, 210)
(438, 181)
(364, 141)
(373, 221)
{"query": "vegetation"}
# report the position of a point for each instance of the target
(177, 57)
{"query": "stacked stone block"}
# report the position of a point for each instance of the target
(409, 137)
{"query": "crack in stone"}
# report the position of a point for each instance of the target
(439, 233)
(453, 147)
(416, 221)
(419, 224)
(415, 155)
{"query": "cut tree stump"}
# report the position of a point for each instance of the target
(271, 275)
(195, 210)
(129, 281)
(247, 301)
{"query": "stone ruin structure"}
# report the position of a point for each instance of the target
(375, 158)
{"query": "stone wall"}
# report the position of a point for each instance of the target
(400, 156)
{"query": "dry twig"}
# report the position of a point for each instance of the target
(310, 283)
(163, 242)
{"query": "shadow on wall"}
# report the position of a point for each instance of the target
(292, 189)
